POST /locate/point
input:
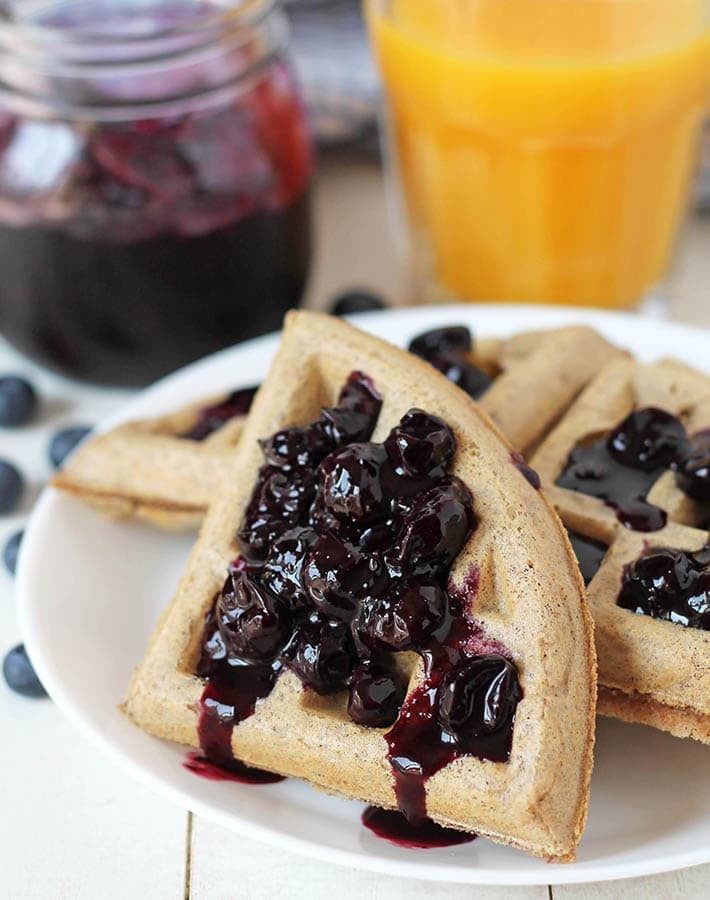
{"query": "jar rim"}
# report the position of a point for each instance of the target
(40, 64)
(29, 21)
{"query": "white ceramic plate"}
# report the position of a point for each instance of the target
(91, 590)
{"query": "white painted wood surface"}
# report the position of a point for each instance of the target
(72, 826)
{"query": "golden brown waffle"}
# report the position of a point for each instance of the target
(650, 671)
(530, 599)
(145, 469)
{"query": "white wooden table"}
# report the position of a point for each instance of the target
(74, 826)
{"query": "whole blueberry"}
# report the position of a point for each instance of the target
(11, 551)
(18, 400)
(376, 695)
(694, 469)
(420, 444)
(352, 482)
(254, 624)
(65, 441)
(11, 484)
(404, 617)
(479, 696)
(336, 575)
(19, 674)
(435, 529)
(438, 341)
(355, 302)
(320, 652)
(648, 439)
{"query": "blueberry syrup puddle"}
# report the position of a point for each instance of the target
(448, 349)
(589, 553)
(393, 826)
(212, 418)
(234, 770)
(671, 585)
(345, 552)
(622, 468)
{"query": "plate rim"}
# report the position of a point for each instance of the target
(416, 868)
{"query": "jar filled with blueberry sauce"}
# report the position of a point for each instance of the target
(154, 175)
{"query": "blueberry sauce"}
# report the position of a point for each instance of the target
(234, 770)
(393, 826)
(622, 467)
(195, 225)
(212, 418)
(346, 547)
(589, 553)
(448, 349)
(528, 473)
(672, 585)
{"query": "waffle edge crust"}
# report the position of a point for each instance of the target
(530, 598)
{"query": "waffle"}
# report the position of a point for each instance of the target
(650, 671)
(529, 599)
(150, 471)
(147, 470)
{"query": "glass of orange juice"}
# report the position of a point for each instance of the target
(544, 148)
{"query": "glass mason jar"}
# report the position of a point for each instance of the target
(154, 174)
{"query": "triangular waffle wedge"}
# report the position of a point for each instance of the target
(517, 581)
(163, 470)
(650, 670)
(151, 471)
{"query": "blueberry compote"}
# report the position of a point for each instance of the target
(622, 467)
(448, 349)
(212, 418)
(346, 547)
(589, 553)
(668, 584)
(154, 194)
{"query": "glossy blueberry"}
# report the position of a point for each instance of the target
(18, 401)
(355, 416)
(65, 441)
(694, 470)
(19, 674)
(668, 584)
(212, 418)
(405, 617)
(11, 485)
(337, 575)
(354, 302)
(320, 652)
(352, 482)
(278, 502)
(442, 341)
(283, 569)
(479, 697)
(11, 551)
(376, 695)
(421, 444)
(253, 623)
(297, 447)
(435, 529)
(463, 373)
(648, 439)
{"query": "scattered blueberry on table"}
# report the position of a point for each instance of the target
(19, 674)
(11, 484)
(65, 441)
(11, 551)
(355, 302)
(18, 401)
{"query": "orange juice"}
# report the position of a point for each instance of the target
(545, 147)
